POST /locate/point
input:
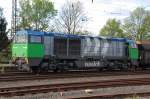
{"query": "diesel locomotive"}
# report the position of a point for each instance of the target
(43, 51)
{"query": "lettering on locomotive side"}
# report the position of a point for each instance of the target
(92, 64)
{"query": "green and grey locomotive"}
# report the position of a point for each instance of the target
(42, 51)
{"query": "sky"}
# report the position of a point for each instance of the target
(97, 12)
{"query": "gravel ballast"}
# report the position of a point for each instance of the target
(68, 80)
(84, 93)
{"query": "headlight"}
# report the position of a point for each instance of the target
(14, 47)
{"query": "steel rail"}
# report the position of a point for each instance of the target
(22, 90)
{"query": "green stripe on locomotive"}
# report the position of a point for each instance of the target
(35, 50)
(28, 50)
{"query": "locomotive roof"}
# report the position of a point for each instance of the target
(29, 32)
(130, 41)
(39, 33)
(119, 39)
(61, 35)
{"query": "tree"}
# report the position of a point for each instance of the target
(71, 18)
(36, 14)
(146, 34)
(3, 35)
(112, 29)
(137, 24)
(84, 32)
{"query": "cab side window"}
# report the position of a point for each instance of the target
(35, 39)
(133, 45)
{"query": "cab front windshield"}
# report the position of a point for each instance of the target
(20, 38)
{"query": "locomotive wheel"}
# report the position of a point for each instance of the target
(43, 69)
(101, 69)
(35, 69)
(133, 68)
(55, 70)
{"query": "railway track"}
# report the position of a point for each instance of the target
(19, 76)
(23, 90)
(113, 96)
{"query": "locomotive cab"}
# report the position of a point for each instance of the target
(27, 48)
(19, 47)
(133, 53)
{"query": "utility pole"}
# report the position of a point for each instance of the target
(14, 18)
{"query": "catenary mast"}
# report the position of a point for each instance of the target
(14, 18)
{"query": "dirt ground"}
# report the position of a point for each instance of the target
(84, 93)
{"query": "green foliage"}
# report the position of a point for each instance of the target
(84, 32)
(3, 34)
(112, 29)
(5, 54)
(36, 13)
(4, 42)
(137, 25)
(146, 34)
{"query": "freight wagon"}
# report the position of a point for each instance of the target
(144, 56)
(42, 51)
